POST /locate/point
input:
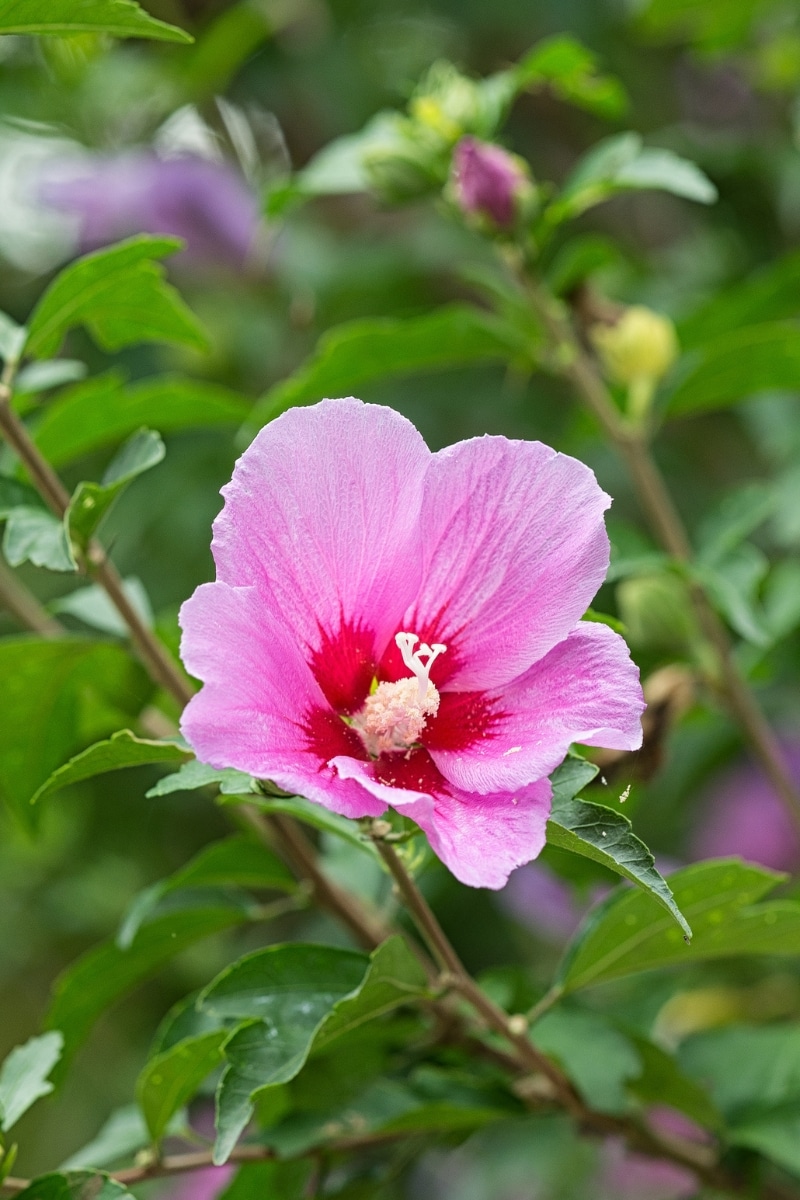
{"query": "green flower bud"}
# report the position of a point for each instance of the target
(657, 613)
(642, 344)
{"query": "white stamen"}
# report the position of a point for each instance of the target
(413, 659)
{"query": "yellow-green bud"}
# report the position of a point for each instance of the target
(641, 345)
(657, 613)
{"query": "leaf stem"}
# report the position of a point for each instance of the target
(575, 364)
(162, 668)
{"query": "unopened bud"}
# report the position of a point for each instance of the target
(642, 344)
(657, 613)
(488, 181)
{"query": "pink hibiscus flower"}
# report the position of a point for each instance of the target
(395, 627)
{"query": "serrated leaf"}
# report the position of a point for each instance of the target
(122, 749)
(736, 365)
(237, 861)
(104, 974)
(34, 535)
(57, 696)
(120, 295)
(604, 835)
(394, 977)
(629, 932)
(23, 1076)
(171, 1079)
(62, 18)
(90, 502)
(284, 993)
(195, 774)
(374, 348)
(103, 410)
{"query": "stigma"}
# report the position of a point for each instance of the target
(394, 716)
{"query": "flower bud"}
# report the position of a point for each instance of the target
(657, 613)
(642, 344)
(488, 181)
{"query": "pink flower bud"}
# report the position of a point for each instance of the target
(488, 180)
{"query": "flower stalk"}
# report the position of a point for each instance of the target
(632, 445)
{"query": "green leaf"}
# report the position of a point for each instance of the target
(316, 816)
(238, 861)
(75, 1185)
(630, 933)
(738, 364)
(15, 494)
(599, 1059)
(747, 1069)
(570, 71)
(195, 774)
(35, 535)
(122, 749)
(736, 516)
(92, 606)
(62, 18)
(278, 1180)
(621, 164)
(23, 1076)
(373, 348)
(605, 836)
(57, 697)
(394, 977)
(283, 993)
(171, 1079)
(42, 376)
(90, 502)
(663, 1082)
(123, 1134)
(102, 411)
(120, 295)
(104, 974)
(770, 294)
(12, 335)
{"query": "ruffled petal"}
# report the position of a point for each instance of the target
(322, 517)
(482, 839)
(585, 690)
(260, 709)
(514, 549)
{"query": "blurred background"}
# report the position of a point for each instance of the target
(99, 140)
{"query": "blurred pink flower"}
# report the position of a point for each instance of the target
(392, 626)
(202, 1185)
(207, 204)
(743, 815)
(628, 1176)
(488, 180)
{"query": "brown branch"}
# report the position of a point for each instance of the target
(160, 665)
(24, 606)
(576, 366)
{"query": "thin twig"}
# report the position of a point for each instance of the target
(159, 663)
(24, 606)
(575, 365)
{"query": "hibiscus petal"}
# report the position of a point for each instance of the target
(260, 708)
(322, 516)
(482, 839)
(514, 550)
(585, 690)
